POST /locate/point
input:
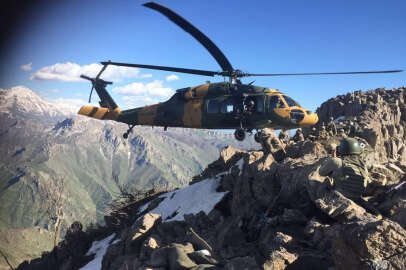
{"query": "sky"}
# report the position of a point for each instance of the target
(51, 43)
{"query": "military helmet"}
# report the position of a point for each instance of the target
(349, 146)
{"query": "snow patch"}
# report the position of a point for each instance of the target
(338, 119)
(240, 164)
(201, 196)
(98, 248)
(204, 252)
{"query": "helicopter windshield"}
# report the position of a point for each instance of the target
(290, 101)
(276, 102)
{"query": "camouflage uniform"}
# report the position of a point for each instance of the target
(331, 127)
(272, 145)
(298, 136)
(313, 135)
(268, 140)
(341, 133)
(323, 133)
(350, 186)
(284, 136)
(348, 174)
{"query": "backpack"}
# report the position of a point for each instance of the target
(354, 178)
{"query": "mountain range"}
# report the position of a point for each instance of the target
(47, 151)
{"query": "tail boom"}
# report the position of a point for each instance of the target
(100, 112)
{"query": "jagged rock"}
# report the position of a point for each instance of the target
(201, 258)
(112, 259)
(159, 258)
(394, 207)
(139, 230)
(342, 209)
(148, 246)
(126, 262)
(241, 263)
(206, 267)
(373, 245)
(279, 260)
(178, 258)
(318, 234)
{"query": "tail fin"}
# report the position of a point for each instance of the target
(109, 109)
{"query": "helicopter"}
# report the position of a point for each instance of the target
(222, 105)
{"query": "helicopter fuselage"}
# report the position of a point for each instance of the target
(223, 106)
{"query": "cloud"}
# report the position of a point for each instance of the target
(26, 67)
(172, 77)
(147, 75)
(70, 72)
(154, 88)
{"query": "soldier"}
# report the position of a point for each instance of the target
(331, 127)
(284, 136)
(351, 129)
(322, 132)
(348, 173)
(313, 135)
(272, 145)
(298, 136)
(249, 106)
(332, 149)
(341, 133)
(267, 135)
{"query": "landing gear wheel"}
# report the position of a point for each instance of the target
(130, 128)
(239, 134)
(257, 137)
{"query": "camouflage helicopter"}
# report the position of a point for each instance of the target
(223, 105)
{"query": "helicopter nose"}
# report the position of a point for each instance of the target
(310, 119)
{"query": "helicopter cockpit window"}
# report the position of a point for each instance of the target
(276, 102)
(260, 104)
(290, 101)
(213, 106)
(227, 106)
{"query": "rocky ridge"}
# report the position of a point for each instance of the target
(42, 146)
(272, 215)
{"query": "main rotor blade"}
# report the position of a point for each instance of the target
(321, 73)
(199, 36)
(175, 69)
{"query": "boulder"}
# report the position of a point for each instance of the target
(178, 258)
(373, 245)
(140, 229)
(241, 263)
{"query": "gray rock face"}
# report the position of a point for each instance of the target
(381, 116)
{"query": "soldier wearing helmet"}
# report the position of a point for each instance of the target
(298, 137)
(348, 172)
(341, 133)
(323, 135)
(284, 136)
(271, 144)
(313, 134)
(331, 127)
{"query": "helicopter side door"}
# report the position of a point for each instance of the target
(220, 113)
